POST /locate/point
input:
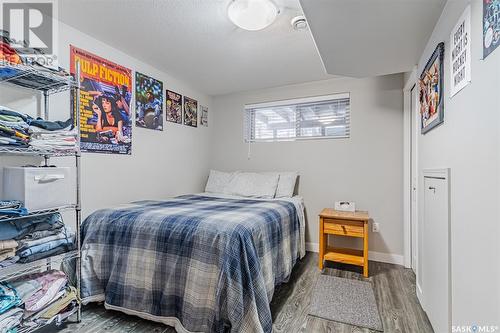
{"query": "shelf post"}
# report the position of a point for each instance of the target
(76, 114)
(46, 105)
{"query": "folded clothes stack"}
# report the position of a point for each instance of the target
(11, 54)
(20, 130)
(7, 249)
(32, 238)
(59, 140)
(12, 208)
(36, 299)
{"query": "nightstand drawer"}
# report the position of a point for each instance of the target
(343, 228)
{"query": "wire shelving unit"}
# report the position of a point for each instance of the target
(46, 82)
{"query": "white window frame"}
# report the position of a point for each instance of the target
(296, 101)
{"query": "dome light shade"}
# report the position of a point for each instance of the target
(252, 15)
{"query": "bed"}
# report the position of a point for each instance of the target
(200, 263)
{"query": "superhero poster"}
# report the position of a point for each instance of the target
(174, 107)
(148, 102)
(190, 112)
(491, 26)
(104, 110)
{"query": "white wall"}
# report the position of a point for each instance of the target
(468, 143)
(162, 164)
(367, 168)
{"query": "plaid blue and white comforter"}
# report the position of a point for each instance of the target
(198, 263)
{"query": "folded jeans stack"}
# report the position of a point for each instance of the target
(12, 208)
(39, 299)
(32, 250)
(34, 237)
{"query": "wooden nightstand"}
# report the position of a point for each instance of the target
(351, 224)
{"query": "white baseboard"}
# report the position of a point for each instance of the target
(390, 258)
(312, 247)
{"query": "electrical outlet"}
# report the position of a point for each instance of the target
(375, 227)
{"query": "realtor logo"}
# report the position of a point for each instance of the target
(30, 25)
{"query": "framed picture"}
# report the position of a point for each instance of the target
(104, 110)
(174, 107)
(491, 26)
(431, 91)
(204, 116)
(190, 112)
(148, 102)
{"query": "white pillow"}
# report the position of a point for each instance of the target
(217, 181)
(254, 185)
(286, 184)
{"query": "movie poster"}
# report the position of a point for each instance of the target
(104, 110)
(190, 112)
(204, 116)
(491, 26)
(148, 102)
(174, 107)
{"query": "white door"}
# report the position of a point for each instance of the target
(414, 118)
(435, 257)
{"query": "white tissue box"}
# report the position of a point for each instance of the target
(345, 206)
(40, 188)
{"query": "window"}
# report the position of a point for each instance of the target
(297, 119)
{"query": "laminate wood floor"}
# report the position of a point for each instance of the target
(394, 288)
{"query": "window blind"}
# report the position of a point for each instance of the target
(297, 119)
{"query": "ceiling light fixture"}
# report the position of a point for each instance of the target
(252, 15)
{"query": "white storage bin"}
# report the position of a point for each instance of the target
(39, 188)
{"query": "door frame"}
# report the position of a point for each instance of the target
(407, 186)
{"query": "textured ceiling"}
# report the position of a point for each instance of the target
(193, 40)
(371, 37)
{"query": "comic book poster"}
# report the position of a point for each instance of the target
(491, 26)
(148, 102)
(104, 110)
(190, 112)
(431, 91)
(174, 107)
(204, 116)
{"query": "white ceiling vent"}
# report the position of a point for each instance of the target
(299, 23)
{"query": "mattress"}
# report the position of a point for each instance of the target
(199, 263)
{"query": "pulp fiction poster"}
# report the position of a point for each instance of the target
(104, 110)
